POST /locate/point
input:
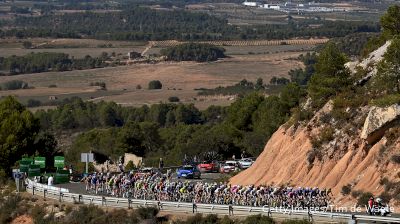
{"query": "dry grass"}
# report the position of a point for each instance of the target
(74, 47)
(183, 77)
(74, 52)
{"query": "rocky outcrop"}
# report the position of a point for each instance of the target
(378, 121)
(367, 63)
(284, 161)
(347, 159)
(137, 160)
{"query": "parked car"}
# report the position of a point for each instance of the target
(188, 171)
(144, 171)
(245, 163)
(208, 166)
(229, 166)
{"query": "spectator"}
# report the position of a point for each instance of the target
(50, 180)
(161, 164)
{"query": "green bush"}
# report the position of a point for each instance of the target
(173, 99)
(130, 166)
(326, 135)
(13, 85)
(33, 103)
(155, 84)
(386, 100)
(38, 214)
(355, 194)
(385, 196)
(384, 181)
(147, 212)
(363, 198)
(10, 207)
(313, 154)
(258, 219)
(27, 44)
(346, 189)
(396, 158)
(209, 219)
(199, 52)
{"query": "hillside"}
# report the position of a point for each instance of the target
(285, 160)
(352, 142)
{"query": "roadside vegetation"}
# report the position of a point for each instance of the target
(15, 207)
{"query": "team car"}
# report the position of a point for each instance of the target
(245, 163)
(229, 166)
(208, 166)
(188, 171)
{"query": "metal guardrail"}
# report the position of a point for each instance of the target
(63, 195)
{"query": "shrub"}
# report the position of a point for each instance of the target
(390, 185)
(392, 135)
(325, 118)
(147, 212)
(100, 84)
(346, 189)
(173, 99)
(14, 84)
(296, 222)
(386, 100)
(130, 166)
(355, 194)
(8, 208)
(326, 134)
(384, 181)
(33, 103)
(138, 87)
(3, 177)
(199, 52)
(155, 84)
(27, 44)
(312, 154)
(198, 218)
(38, 214)
(396, 158)
(86, 214)
(258, 219)
(53, 86)
(364, 197)
(386, 197)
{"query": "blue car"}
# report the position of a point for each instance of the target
(188, 172)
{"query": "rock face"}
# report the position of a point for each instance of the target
(372, 59)
(284, 161)
(378, 121)
(137, 160)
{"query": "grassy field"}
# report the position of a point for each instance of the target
(74, 47)
(74, 52)
(178, 79)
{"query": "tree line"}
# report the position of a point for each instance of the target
(172, 130)
(48, 61)
(193, 52)
(139, 23)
